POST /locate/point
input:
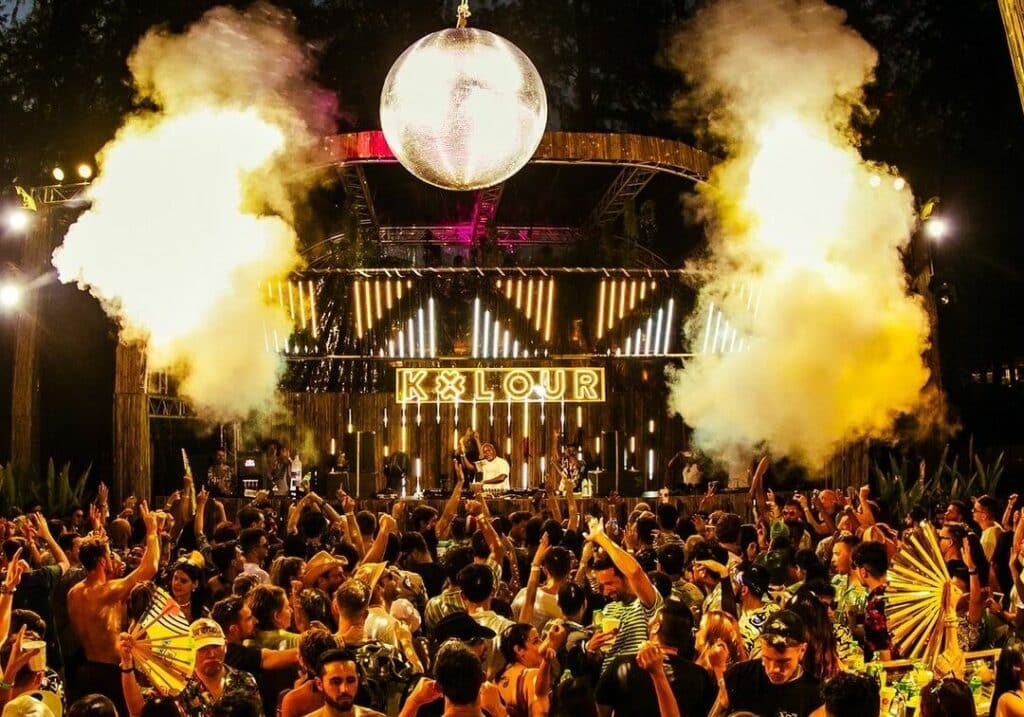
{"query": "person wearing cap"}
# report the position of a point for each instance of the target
(477, 584)
(754, 610)
(380, 625)
(211, 678)
(338, 682)
(325, 572)
(460, 626)
(774, 685)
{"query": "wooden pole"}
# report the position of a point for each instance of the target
(131, 424)
(25, 385)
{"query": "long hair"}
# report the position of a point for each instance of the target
(821, 659)
(718, 626)
(1008, 673)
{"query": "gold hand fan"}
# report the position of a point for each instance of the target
(163, 650)
(917, 596)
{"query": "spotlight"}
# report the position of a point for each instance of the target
(58, 174)
(899, 183)
(85, 171)
(10, 296)
(875, 180)
(936, 228)
(19, 219)
(943, 291)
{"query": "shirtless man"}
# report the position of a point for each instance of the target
(96, 609)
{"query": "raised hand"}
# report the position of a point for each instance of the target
(103, 494)
(201, 498)
(595, 528)
(125, 645)
(965, 550)
(557, 635)
(148, 518)
(425, 691)
(15, 569)
(651, 658)
(542, 550)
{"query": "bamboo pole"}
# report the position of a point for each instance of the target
(131, 423)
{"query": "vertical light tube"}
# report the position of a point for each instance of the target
(302, 306)
(376, 292)
(540, 304)
(401, 344)
(636, 346)
(359, 310)
(312, 310)
(657, 330)
(519, 294)
(551, 304)
(668, 325)
(369, 305)
(622, 299)
(650, 464)
(495, 338)
(423, 343)
(387, 293)
(291, 301)
(579, 416)
(412, 338)
(707, 329)
(504, 352)
(611, 304)
(718, 328)
(529, 298)
(525, 476)
(476, 324)
(433, 328)
(647, 340)
(600, 310)
(485, 349)
(629, 345)
(515, 349)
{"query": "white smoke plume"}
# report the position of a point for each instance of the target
(818, 341)
(192, 206)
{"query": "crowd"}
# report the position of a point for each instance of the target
(318, 608)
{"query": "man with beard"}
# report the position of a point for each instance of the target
(211, 679)
(775, 685)
(338, 681)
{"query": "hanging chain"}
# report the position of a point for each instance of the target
(463, 13)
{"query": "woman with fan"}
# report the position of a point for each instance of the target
(188, 587)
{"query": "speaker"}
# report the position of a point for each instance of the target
(361, 455)
(611, 452)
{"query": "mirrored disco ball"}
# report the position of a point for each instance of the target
(463, 109)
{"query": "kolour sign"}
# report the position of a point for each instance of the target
(520, 385)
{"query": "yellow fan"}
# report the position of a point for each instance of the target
(163, 649)
(918, 596)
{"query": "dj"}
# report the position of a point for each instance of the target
(493, 470)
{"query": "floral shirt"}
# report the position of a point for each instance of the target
(847, 596)
(196, 701)
(751, 622)
(876, 626)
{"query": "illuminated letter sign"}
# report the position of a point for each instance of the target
(519, 385)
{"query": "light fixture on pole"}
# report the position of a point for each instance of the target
(463, 108)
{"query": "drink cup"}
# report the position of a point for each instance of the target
(38, 662)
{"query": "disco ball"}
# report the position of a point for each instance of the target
(463, 109)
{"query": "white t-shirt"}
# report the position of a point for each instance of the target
(493, 468)
(545, 607)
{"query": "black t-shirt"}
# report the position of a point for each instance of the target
(246, 659)
(629, 690)
(432, 574)
(35, 592)
(750, 689)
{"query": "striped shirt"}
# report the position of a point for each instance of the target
(441, 606)
(633, 619)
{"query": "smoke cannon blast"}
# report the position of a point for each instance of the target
(805, 248)
(192, 207)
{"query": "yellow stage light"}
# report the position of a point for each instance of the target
(85, 171)
(58, 174)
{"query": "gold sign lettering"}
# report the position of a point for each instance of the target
(514, 384)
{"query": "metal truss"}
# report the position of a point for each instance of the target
(461, 234)
(420, 272)
(59, 193)
(353, 179)
(630, 182)
(486, 207)
(172, 407)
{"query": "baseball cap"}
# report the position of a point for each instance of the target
(206, 632)
(26, 706)
(461, 626)
(784, 629)
(755, 578)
